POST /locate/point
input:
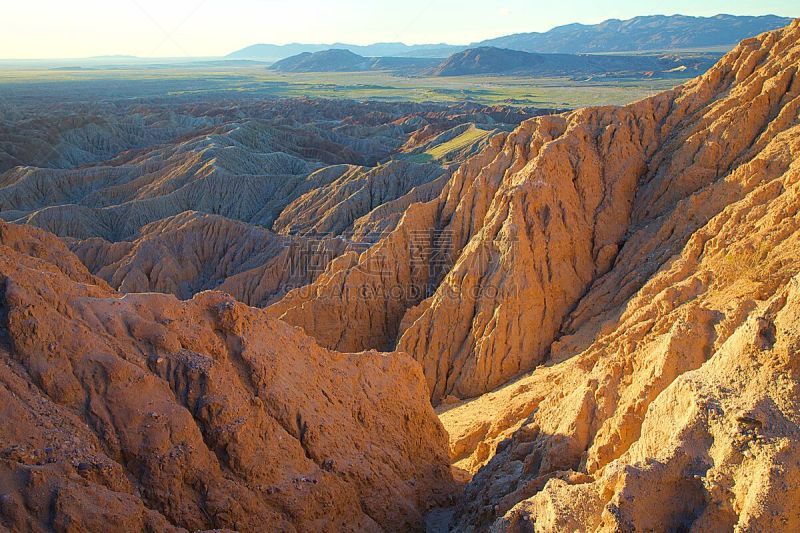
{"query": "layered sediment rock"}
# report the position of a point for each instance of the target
(669, 399)
(148, 413)
(543, 214)
(641, 261)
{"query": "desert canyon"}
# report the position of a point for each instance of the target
(328, 315)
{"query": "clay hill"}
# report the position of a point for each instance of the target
(492, 60)
(41, 132)
(602, 305)
(250, 165)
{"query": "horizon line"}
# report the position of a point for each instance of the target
(373, 43)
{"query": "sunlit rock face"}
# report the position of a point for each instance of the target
(145, 412)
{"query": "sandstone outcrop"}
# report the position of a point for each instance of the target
(545, 212)
(152, 414)
(641, 261)
(380, 285)
(669, 399)
(687, 396)
(38, 243)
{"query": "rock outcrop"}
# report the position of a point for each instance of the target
(543, 214)
(668, 400)
(152, 414)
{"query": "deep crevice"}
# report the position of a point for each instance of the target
(5, 338)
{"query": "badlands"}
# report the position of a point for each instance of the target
(325, 315)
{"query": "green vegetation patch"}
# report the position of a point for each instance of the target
(464, 140)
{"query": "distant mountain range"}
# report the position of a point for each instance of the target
(491, 60)
(273, 52)
(649, 33)
(499, 61)
(643, 34)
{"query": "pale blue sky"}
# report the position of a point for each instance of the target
(174, 28)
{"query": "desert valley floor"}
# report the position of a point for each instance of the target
(249, 312)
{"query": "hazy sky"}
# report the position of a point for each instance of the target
(174, 28)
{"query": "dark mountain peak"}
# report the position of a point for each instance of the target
(338, 53)
(485, 60)
(333, 60)
(342, 60)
